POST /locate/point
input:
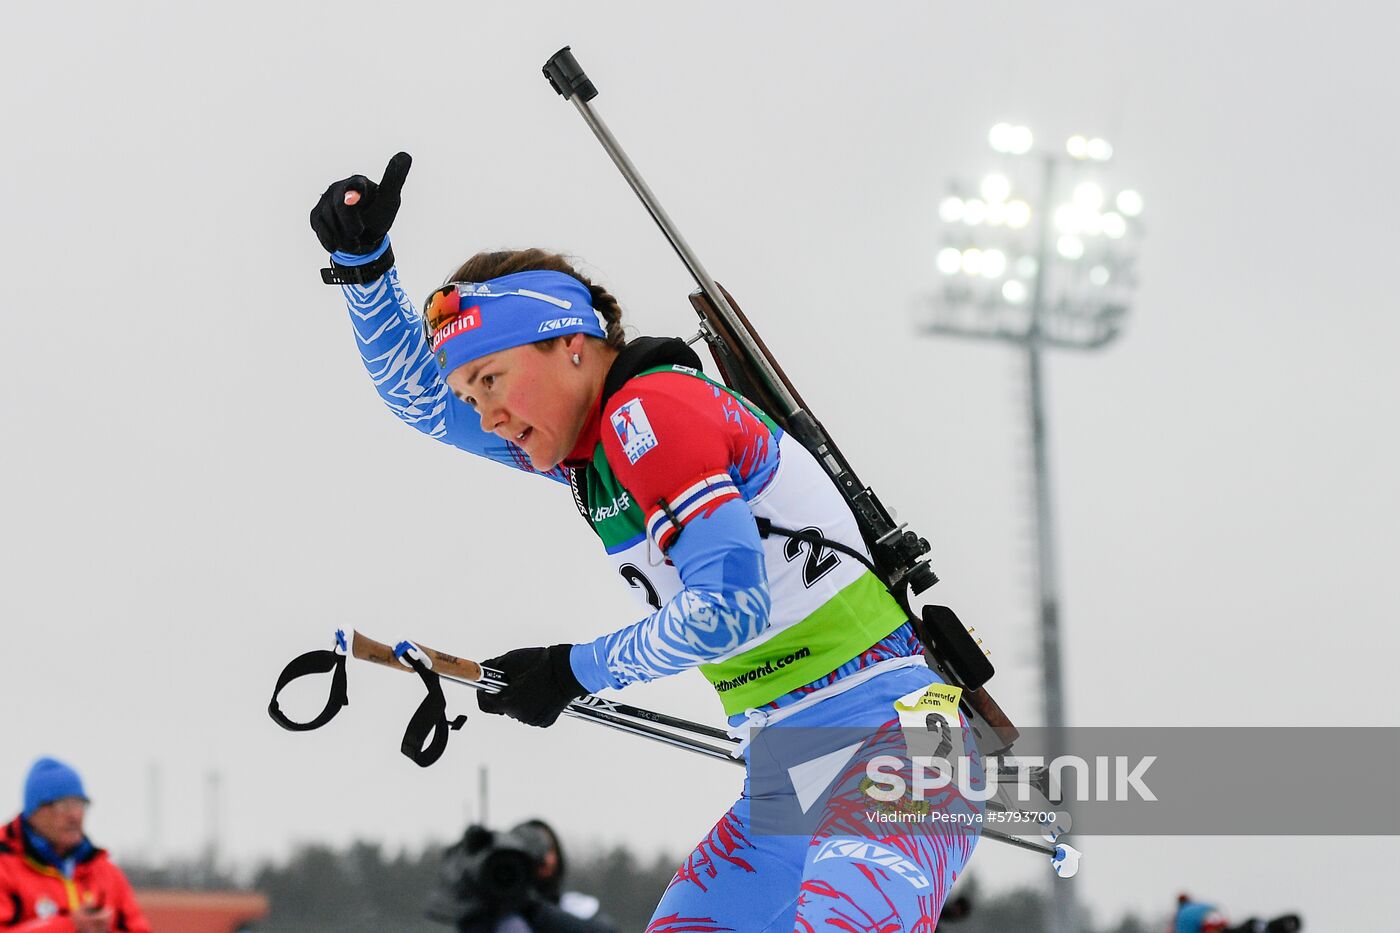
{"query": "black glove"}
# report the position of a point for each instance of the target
(539, 684)
(359, 228)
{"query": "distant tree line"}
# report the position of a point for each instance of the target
(363, 889)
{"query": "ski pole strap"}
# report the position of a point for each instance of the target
(425, 739)
(313, 662)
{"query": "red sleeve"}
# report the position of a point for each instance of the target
(677, 443)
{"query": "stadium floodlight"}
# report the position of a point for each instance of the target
(1069, 219)
(993, 263)
(949, 260)
(972, 261)
(1099, 150)
(1129, 203)
(995, 188)
(1018, 214)
(1009, 139)
(1070, 246)
(1053, 267)
(1088, 196)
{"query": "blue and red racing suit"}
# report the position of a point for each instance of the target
(671, 470)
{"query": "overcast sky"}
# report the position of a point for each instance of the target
(199, 481)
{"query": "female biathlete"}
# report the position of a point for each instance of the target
(522, 360)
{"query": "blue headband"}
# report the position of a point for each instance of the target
(513, 310)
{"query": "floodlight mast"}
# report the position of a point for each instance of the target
(1050, 323)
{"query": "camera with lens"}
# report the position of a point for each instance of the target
(486, 876)
(1288, 923)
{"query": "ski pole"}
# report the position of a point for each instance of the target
(636, 721)
(620, 716)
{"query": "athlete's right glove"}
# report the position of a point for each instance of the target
(359, 227)
(540, 682)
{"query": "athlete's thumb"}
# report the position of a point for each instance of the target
(395, 173)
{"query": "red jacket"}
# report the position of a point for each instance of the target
(36, 898)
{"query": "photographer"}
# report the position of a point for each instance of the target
(511, 882)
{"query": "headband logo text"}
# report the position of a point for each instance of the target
(469, 319)
(559, 323)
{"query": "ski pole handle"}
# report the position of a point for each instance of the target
(367, 649)
(483, 678)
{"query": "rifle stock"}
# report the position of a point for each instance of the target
(737, 372)
(1000, 725)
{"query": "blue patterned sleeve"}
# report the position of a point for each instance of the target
(389, 335)
(724, 604)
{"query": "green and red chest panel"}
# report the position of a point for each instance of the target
(676, 448)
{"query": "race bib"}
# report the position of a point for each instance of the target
(929, 719)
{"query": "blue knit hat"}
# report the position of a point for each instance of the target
(49, 780)
(1193, 917)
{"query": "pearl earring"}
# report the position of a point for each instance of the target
(577, 361)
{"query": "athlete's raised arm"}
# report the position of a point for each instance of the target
(352, 221)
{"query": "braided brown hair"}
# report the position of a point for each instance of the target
(493, 264)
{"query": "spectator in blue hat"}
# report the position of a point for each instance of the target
(52, 879)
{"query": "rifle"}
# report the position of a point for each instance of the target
(747, 365)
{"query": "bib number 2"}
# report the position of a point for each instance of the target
(820, 559)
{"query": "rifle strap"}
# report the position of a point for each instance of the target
(767, 529)
(938, 628)
(425, 739)
(313, 662)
